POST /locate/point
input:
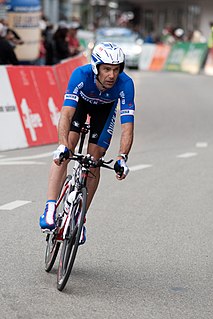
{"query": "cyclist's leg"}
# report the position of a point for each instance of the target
(58, 173)
(57, 176)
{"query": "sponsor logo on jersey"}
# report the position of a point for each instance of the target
(80, 85)
(95, 100)
(71, 97)
(122, 94)
(112, 124)
(127, 112)
(76, 123)
(95, 135)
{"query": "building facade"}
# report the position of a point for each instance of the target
(147, 15)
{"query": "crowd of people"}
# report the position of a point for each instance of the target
(56, 43)
(9, 39)
(171, 35)
(59, 42)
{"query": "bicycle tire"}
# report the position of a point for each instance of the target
(70, 245)
(52, 246)
(51, 252)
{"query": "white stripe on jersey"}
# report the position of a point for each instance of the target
(127, 112)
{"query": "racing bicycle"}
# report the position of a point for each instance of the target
(70, 213)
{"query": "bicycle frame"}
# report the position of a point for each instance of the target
(78, 180)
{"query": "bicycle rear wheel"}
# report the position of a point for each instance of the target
(51, 252)
(53, 245)
(71, 241)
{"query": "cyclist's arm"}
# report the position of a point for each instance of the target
(120, 166)
(71, 99)
(66, 116)
(127, 135)
(127, 107)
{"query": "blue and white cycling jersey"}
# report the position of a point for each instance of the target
(82, 85)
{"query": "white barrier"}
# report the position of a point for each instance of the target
(11, 130)
(146, 56)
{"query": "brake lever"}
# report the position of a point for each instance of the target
(61, 158)
(109, 162)
(107, 166)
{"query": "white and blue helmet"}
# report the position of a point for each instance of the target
(107, 53)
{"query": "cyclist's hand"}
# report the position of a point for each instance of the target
(121, 169)
(61, 154)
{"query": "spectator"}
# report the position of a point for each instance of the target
(149, 38)
(197, 37)
(167, 36)
(178, 34)
(74, 44)
(13, 38)
(61, 43)
(7, 54)
(42, 51)
(49, 44)
(43, 22)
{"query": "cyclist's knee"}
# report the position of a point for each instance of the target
(96, 151)
(73, 140)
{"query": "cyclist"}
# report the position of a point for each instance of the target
(93, 89)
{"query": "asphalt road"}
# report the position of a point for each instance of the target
(149, 250)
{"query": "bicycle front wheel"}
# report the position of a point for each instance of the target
(71, 241)
(53, 245)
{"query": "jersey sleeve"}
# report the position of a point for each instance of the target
(127, 104)
(76, 82)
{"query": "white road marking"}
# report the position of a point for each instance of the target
(15, 204)
(201, 144)
(187, 155)
(29, 157)
(24, 160)
(139, 167)
(20, 163)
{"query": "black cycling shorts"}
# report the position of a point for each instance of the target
(102, 121)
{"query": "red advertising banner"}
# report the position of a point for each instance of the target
(62, 74)
(208, 68)
(64, 70)
(159, 58)
(38, 101)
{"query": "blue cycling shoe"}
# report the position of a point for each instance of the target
(47, 220)
(82, 239)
